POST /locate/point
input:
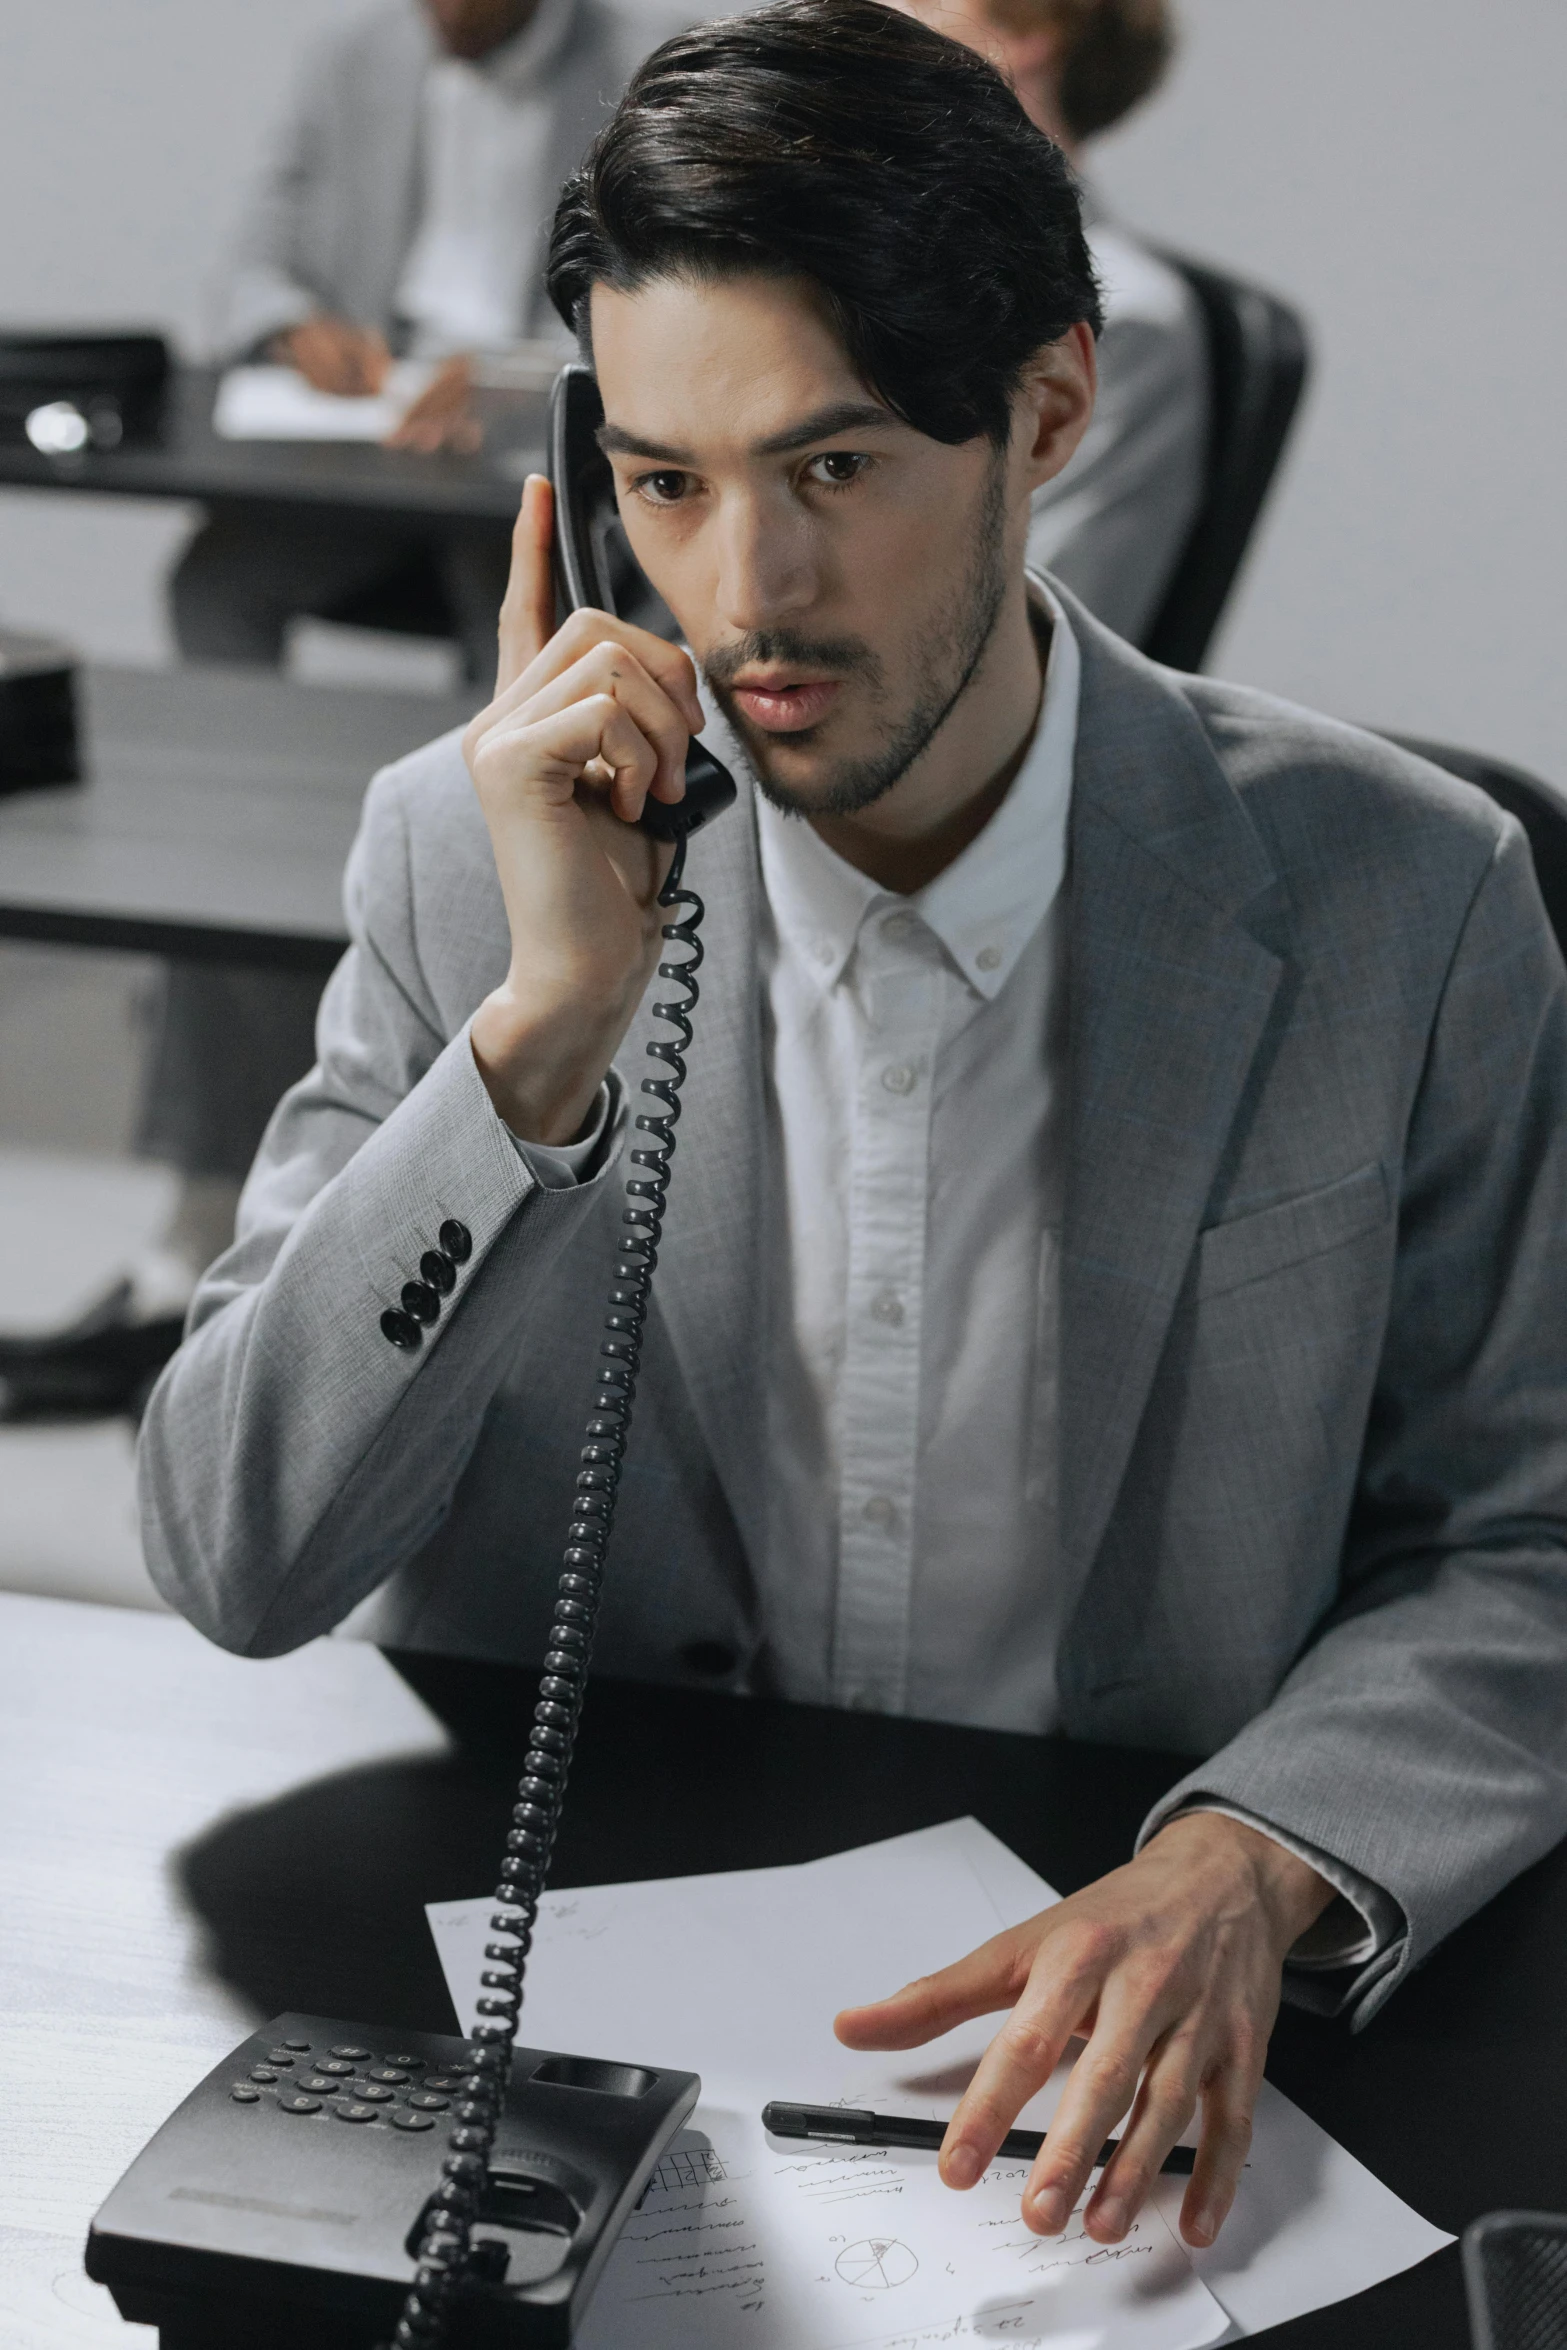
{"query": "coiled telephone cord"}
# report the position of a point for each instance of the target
(445, 2249)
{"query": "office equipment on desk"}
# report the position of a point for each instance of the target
(64, 393)
(277, 404)
(855, 2125)
(273, 2262)
(38, 743)
(250, 2203)
(737, 1976)
(1515, 2277)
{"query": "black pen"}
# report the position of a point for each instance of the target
(851, 2125)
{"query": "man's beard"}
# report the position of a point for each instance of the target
(945, 656)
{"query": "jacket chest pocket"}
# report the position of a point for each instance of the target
(1271, 1240)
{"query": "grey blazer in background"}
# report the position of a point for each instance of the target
(333, 211)
(1313, 1423)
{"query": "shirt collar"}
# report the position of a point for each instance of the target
(991, 900)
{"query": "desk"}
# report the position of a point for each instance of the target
(217, 813)
(188, 460)
(190, 1842)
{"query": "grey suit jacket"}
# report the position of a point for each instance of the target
(333, 212)
(1313, 1427)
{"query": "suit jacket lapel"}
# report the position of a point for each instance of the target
(709, 1283)
(1170, 995)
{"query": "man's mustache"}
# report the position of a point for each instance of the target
(838, 656)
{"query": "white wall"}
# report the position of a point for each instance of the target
(1397, 168)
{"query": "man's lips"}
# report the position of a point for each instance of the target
(787, 709)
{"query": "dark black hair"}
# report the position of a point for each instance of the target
(843, 142)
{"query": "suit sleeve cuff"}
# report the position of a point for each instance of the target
(562, 1166)
(1355, 1941)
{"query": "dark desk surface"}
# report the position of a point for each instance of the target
(188, 460)
(190, 1843)
(217, 813)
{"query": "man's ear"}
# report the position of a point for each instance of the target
(1053, 403)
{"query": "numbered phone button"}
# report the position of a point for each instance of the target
(242, 2095)
(292, 2102)
(388, 2072)
(409, 2063)
(422, 2102)
(354, 2055)
(335, 2064)
(413, 2121)
(263, 2072)
(352, 2111)
(280, 2056)
(370, 2094)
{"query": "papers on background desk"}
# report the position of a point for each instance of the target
(801, 2247)
(276, 404)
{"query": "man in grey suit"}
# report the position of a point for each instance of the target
(1113, 1276)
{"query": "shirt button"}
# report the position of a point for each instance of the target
(989, 958)
(880, 1513)
(898, 926)
(888, 1308)
(898, 1077)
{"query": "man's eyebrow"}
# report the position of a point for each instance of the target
(825, 424)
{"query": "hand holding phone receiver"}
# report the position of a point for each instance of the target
(229, 2225)
(576, 463)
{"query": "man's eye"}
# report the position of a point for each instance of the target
(836, 468)
(664, 488)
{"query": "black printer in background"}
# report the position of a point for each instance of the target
(66, 391)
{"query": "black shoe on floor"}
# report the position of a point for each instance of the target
(100, 1366)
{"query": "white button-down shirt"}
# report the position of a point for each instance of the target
(916, 1068)
(915, 1096)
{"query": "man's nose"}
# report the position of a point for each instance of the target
(768, 568)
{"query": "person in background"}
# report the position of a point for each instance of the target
(404, 210)
(402, 213)
(1114, 523)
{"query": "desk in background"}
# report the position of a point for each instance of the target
(190, 1842)
(218, 810)
(189, 460)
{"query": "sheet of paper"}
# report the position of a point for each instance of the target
(737, 1976)
(276, 404)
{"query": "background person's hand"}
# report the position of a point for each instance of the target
(441, 417)
(586, 721)
(335, 356)
(1170, 1969)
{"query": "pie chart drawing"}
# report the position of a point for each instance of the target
(876, 2264)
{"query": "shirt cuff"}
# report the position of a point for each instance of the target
(1363, 1925)
(562, 1166)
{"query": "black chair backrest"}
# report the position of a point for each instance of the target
(1541, 811)
(1515, 2279)
(1257, 364)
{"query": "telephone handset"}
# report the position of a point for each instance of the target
(323, 2186)
(579, 469)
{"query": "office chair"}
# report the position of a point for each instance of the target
(1541, 810)
(1515, 2278)
(1257, 366)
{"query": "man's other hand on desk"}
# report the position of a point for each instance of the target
(335, 356)
(1170, 1969)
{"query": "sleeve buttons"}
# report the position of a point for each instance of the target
(401, 1329)
(420, 1300)
(438, 1270)
(456, 1240)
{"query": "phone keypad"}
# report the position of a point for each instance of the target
(355, 2085)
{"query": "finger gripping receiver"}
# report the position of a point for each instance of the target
(710, 789)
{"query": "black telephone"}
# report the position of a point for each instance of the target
(303, 2195)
